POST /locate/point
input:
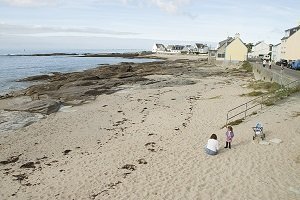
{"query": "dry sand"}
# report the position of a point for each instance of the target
(146, 142)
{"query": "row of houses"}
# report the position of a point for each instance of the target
(198, 48)
(288, 49)
(234, 49)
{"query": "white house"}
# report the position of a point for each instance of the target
(276, 52)
(260, 49)
(201, 48)
(188, 49)
(158, 48)
(175, 48)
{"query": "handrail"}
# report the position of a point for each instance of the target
(249, 108)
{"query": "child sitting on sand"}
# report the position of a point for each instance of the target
(229, 136)
(212, 146)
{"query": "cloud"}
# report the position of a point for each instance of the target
(170, 6)
(174, 7)
(12, 29)
(29, 2)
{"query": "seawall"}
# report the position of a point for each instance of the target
(271, 75)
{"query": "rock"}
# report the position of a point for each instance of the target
(129, 167)
(142, 161)
(276, 141)
(66, 152)
(28, 165)
(12, 159)
(36, 78)
(15, 119)
(46, 106)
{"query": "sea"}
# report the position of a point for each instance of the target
(14, 68)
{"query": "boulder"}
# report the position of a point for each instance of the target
(46, 106)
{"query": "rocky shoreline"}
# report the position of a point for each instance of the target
(77, 87)
(54, 91)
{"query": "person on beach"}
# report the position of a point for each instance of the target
(264, 63)
(212, 146)
(229, 136)
(270, 64)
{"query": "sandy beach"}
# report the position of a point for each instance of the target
(146, 141)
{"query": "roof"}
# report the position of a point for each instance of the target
(258, 43)
(160, 46)
(277, 44)
(227, 41)
(290, 32)
(200, 46)
(175, 47)
(296, 27)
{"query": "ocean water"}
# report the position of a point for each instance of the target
(13, 68)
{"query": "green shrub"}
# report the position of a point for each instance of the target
(247, 66)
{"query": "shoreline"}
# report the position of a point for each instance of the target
(43, 77)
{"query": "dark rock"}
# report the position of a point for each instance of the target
(91, 78)
(66, 152)
(20, 177)
(36, 78)
(129, 167)
(12, 159)
(152, 144)
(142, 161)
(28, 165)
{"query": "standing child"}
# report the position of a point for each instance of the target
(229, 136)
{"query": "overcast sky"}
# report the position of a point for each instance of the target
(91, 24)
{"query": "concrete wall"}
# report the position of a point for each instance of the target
(264, 74)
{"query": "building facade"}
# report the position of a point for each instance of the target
(290, 44)
(276, 52)
(260, 49)
(158, 48)
(232, 49)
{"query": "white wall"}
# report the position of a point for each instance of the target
(261, 48)
(276, 53)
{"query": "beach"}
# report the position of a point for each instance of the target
(144, 139)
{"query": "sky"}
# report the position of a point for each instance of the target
(137, 24)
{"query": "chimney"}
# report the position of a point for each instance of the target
(237, 35)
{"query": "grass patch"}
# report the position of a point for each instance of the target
(253, 94)
(236, 122)
(296, 114)
(247, 66)
(280, 94)
(260, 85)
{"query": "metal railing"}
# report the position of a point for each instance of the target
(259, 101)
